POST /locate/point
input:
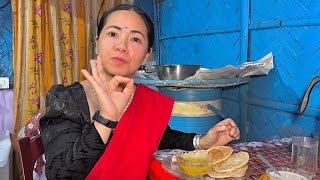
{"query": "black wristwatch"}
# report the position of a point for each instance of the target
(104, 121)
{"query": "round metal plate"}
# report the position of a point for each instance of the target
(194, 83)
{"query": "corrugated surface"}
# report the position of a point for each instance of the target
(6, 62)
(178, 17)
(197, 20)
(146, 6)
(208, 32)
(275, 98)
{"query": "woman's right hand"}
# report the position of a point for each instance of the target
(112, 101)
(222, 133)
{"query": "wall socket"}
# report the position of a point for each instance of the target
(4, 82)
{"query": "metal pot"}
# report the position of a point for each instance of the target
(176, 71)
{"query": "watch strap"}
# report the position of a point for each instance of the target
(104, 121)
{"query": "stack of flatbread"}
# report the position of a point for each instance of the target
(225, 164)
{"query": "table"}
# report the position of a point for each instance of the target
(276, 151)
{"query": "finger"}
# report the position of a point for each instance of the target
(233, 132)
(238, 134)
(87, 75)
(117, 80)
(227, 121)
(218, 128)
(129, 87)
(229, 127)
(237, 137)
(99, 66)
(231, 122)
(93, 64)
(90, 78)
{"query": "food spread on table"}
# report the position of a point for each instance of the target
(234, 166)
(219, 153)
(216, 162)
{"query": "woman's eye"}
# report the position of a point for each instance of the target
(112, 34)
(136, 40)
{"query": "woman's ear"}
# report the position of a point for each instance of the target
(146, 58)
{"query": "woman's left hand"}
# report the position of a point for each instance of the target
(221, 134)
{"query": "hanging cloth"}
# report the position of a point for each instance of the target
(136, 137)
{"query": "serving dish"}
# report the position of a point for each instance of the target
(171, 167)
(176, 71)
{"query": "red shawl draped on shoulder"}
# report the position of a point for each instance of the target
(136, 137)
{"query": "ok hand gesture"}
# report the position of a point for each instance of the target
(111, 98)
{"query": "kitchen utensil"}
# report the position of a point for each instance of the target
(217, 111)
(267, 163)
(194, 163)
(176, 71)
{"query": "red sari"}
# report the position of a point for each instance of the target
(136, 137)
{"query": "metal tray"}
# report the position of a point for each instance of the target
(194, 83)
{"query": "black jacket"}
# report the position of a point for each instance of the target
(71, 142)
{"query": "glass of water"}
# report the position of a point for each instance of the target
(304, 157)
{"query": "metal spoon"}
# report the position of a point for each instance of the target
(267, 163)
(217, 111)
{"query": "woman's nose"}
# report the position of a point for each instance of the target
(121, 46)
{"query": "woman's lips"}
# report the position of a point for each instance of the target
(119, 60)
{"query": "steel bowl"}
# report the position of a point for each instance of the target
(176, 71)
(194, 163)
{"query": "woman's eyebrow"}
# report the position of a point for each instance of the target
(136, 31)
(112, 26)
(119, 28)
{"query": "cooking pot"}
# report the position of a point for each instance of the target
(176, 71)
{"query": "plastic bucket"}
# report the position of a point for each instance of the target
(190, 113)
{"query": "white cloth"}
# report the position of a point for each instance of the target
(5, 146)
(260, 67)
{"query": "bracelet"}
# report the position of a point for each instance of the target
(104, 121)
(196, 142)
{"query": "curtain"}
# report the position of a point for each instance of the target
(52, 41)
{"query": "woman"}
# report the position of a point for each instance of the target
(72, 130)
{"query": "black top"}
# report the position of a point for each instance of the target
(71, 142)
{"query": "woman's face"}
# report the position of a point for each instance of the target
(123, 43)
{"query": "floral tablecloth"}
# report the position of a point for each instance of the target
(276, 151)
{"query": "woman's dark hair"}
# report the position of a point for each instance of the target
(128, 7)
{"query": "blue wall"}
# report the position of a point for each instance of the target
(295, 42)
(211, 33)
(6, 61)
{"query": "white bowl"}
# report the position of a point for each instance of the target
(287, 174)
